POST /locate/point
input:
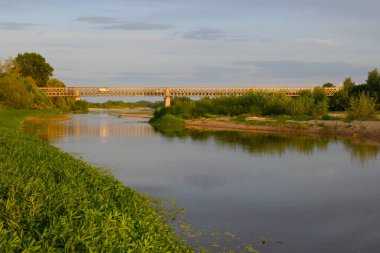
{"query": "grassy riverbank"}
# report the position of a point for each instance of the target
(50, 201)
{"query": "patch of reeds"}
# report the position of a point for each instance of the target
(362, 107)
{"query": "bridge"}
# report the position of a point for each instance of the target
(168, 92)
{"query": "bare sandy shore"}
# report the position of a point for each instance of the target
(138, 115)
(357, 131)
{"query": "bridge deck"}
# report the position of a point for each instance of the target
(171, 91)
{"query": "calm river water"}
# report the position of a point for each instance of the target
(276, 193)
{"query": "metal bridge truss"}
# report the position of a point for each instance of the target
(171, 91)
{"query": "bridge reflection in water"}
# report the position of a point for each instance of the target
(76, 128)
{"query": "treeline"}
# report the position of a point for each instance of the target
(111, 104)
(255, 103)
(371, 89)
(170, 120)
(20, 78)
(360, 101)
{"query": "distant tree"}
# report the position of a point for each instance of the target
(54, 82)
(328, 85)
(373, 84)
(348, 84)
(35, 66)
(373, 80)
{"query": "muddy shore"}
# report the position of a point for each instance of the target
(367, 132)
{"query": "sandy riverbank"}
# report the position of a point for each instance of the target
(356, 131)
(137, 115)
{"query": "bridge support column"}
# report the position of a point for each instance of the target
(77, 97)
(167, 101)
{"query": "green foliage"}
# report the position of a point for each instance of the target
(348, 84)
(60, 102)
(302, 105)
(13, 92)
(308, 103)
(167, 123)
(371, 88)
(52, 202)
(328, 85)
(35, 66)
(21, 92)
(276, 104)
(54, 82)
(79, 106)
(362, 107)
(373, 80)
(340, 101)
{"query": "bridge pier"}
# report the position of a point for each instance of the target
(77, 95)
(167, 101)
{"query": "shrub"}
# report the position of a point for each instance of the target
(276, 104)
(301, 105)
(168, 123)
(362, 107)
(14, 93)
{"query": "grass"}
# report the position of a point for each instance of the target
(52, 202)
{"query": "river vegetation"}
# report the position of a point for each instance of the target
(307, 103)
(20, 79)
(359, 101)
(52, 202)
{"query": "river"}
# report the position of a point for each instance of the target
(241, 191)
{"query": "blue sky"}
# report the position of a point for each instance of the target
(198, 42)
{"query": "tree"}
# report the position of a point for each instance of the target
(35, 66)
(348, 84)
(54, 82)
(373, 80)
(328, 85)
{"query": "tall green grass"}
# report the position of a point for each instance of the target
(52, 202)
(362, 107)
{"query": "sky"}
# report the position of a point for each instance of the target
(197, 42)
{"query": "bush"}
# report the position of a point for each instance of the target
(168, 123)
(276, 104)
(14, 92)
(302, 105)
(362, 107)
